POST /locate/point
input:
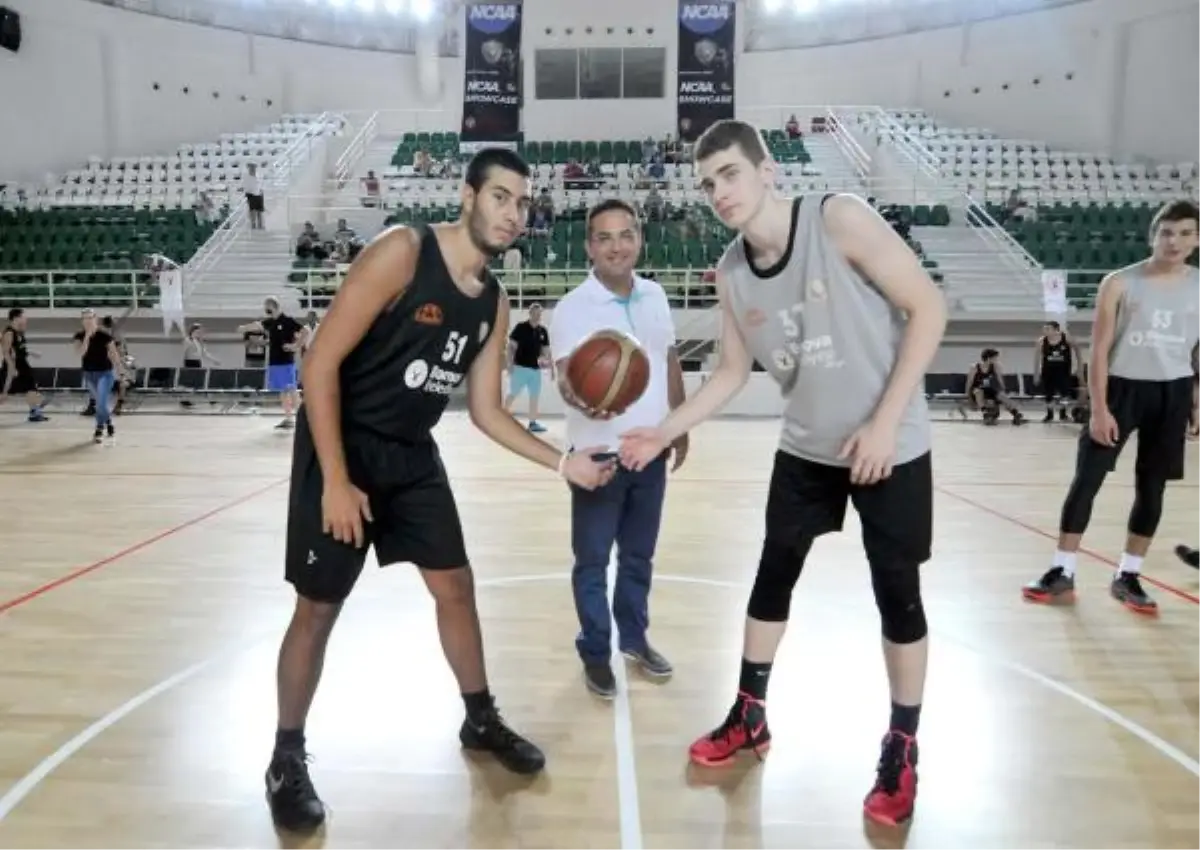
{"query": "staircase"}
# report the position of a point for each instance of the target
(979, 274)
(836, 171)
(254, 265)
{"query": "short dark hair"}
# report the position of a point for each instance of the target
(727, 133)
(1053, 325)
(1183, 209)
(608, 205)
(15, 313)
(989, 354)
(489, 158)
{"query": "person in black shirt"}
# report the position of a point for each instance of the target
(16, 375)
(285, 337)
(528, 350)
(418, 314)
(1055, 362)
(101, 362)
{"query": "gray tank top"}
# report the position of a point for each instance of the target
(826, 335)
(1156, 326)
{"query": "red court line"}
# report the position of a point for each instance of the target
(136, 547)
(1162, 585)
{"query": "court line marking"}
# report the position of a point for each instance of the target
(136, 547)
(1091, 553)
(28, 783)
(627, 784)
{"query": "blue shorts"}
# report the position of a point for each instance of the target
(523, 378)
(281, 377)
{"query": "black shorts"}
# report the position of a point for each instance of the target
(808, 499)
(255, 203)
(1159, 411)
(416, 518)
(24, 381)
(1057, 384)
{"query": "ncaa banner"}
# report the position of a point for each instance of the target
(704, 83)
(492, 84)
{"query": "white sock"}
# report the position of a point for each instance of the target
(1066, 560)
(1130, 563)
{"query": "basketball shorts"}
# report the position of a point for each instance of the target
(808, 499)
(24, 381)
(523, 378)
(1057, 384)
(415, 516)
(988, 391)
(1159, 411)
(281, 377)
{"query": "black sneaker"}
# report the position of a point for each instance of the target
(111, 431)
(491, 734)
(651, 661)
(1126, 588)
(294, 803)
(98, 436)
(600, 680)
(1188, 555)
(1054, 586)
(1049, 417)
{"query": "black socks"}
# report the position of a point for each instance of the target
(289, 739)
(905, 718)
(753, 680)
(479, 705)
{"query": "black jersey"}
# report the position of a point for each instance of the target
(1056, 356)
(397, 381)
(20, 350)
(985, 378)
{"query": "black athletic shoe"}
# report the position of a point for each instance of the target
(294, 803)
(600, 680)
(489, 733)
(98, 436)
(1189, 556)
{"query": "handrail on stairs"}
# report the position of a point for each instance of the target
(354, 151)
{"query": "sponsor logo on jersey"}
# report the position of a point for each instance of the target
(428, 314)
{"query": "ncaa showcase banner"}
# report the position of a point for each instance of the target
(492, 84)
(705, 80)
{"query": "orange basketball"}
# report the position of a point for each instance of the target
(609, 371)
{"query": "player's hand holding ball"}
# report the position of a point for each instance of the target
(343, 509)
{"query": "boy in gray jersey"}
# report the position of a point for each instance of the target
(838, 311)
(1144, 339)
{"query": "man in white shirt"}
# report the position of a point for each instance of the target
(627, 511)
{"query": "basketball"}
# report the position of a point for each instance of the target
(609, 371)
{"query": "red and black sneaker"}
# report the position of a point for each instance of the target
(894, 796)
(745, 728)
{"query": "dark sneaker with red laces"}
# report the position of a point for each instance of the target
(894, 796)
(745, 728)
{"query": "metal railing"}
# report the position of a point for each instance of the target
(1024, 265)
(849, 146)
(343, 169)
(275, 177)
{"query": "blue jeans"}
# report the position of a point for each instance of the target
(627, 511)
(100, 386)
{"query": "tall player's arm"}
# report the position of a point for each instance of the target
(1103, 331)
(727, 379)
(488, 414)
(377, 278)
(870, 244)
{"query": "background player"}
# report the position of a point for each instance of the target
(1141, 379)
(286, 337)
(417, 314)
(1055, 362)
(836, 307)
(528, 353)
(17, 376)
(985, 388)
(101, 363)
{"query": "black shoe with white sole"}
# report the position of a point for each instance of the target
(600, 680)
(651, 661)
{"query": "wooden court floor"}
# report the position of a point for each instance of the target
(141, 604)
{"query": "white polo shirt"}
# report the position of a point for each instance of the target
(646, 316)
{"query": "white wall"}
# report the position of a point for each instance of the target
(82, 84)
(1128, 61)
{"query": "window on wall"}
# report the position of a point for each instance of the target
(599, 73)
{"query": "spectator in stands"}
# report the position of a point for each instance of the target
(422, 163)
(573, 173)
(653, 205)
(344, 230)
(309, 245)
(656, 170)
(594, 173)
(195, 352)
(206, 209)
(649, 151)
(792, 128)
(252, 189)
(370, 185)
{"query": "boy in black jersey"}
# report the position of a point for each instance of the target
(16, 375)
(1055, 361)
(985, 389)
(417, 314)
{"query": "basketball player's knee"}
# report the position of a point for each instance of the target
(454, 587)
(1077, 508)
(897, 589)
(1147, 503)
(778, 571)
(315, 618)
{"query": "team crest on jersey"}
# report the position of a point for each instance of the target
(817, 290)
(428, 314)
(483, 331)
(783, 360)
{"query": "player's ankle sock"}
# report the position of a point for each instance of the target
(289, 739)
(754, 678)
(1130, 563)
(478, 704)
(1066, 560)
(905, 718)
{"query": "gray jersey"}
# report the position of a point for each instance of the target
(1156, 326)
(827, 336)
